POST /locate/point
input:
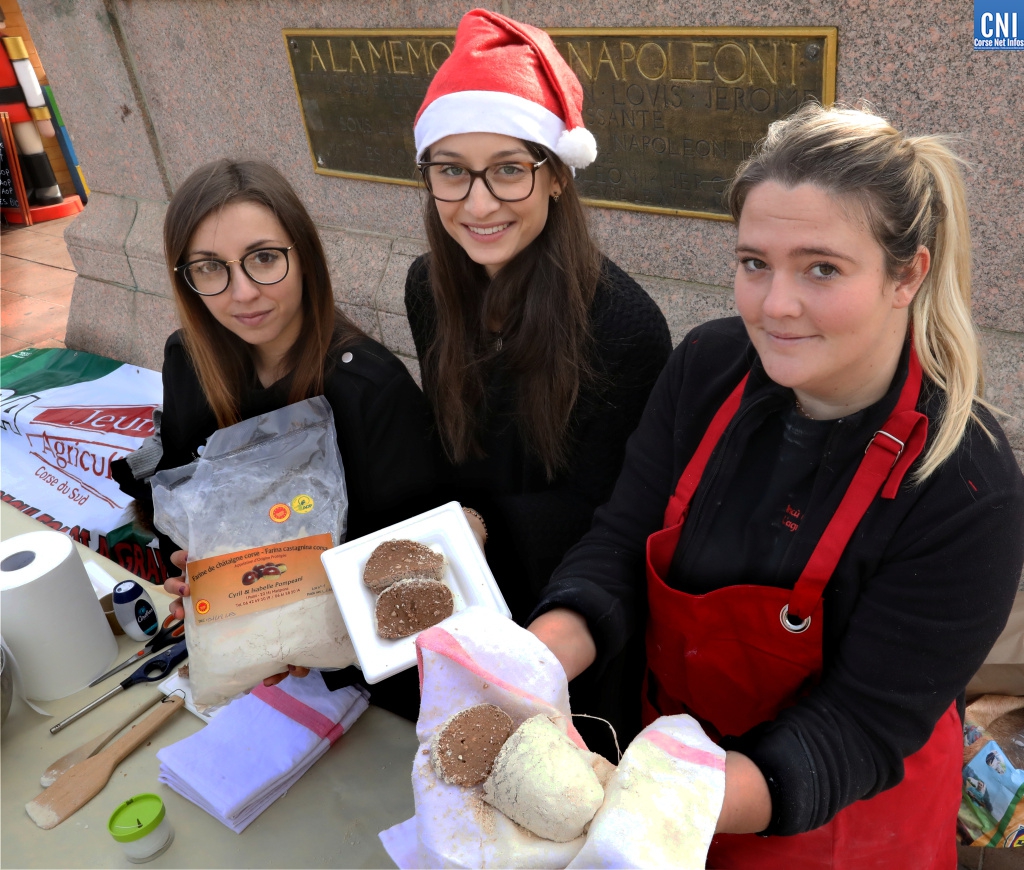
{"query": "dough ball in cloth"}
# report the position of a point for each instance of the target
(544, 782)
(466, 745)
(409, 606)
(401, 560)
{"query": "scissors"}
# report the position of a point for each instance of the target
(170, 632)
(149, 672)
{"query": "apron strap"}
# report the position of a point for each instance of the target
(887, 458)
(679, 504)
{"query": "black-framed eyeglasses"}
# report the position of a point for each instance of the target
(508, 182)
(211, 277)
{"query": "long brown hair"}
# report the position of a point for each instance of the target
(223, 361)
(542, 298)
(912, 193)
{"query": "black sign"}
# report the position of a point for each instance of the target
(674, 111)
(8, 198)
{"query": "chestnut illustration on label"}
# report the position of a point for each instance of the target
(259, 571)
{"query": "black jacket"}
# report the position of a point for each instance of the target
(531, 522)
(380, 415)
(917, 600)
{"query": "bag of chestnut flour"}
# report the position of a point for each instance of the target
(255, 511)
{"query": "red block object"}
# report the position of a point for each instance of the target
(71, 205)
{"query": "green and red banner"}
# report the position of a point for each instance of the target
(65, 415)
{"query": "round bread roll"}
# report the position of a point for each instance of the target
(409, 606)
(400, 559)
(465, 746)
(544, 782)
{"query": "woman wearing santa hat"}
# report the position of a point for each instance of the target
(537, 354)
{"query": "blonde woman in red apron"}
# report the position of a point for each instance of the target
(819, 524)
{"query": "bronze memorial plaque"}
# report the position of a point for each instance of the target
(674, 110)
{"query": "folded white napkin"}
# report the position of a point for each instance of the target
(662, 803)
(258, 746)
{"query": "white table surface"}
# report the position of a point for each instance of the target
(330, 818)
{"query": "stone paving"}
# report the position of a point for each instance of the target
(36, 281)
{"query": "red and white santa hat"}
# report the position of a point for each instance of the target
(506, 77)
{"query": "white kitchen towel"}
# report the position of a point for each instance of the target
(662, 803)
(258, 746)
(478, 657)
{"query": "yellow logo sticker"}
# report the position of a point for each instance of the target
(202, 606)
(302, 504)
(280, 512)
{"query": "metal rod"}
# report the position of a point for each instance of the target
(74, 717)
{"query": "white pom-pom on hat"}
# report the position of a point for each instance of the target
(506, 77)
(577, 147)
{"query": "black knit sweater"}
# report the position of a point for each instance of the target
(531, 522)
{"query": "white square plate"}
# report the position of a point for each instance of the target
(444, 529)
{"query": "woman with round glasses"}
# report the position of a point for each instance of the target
(537, 354)
(261, 330)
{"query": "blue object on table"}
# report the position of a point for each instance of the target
(172, 631)
(156, 669)
(150, 672)
(134, 610)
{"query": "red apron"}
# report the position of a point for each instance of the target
(735, 657)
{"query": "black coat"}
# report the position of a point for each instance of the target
(916, 601)
(380, 415)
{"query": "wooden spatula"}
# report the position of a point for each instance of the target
(85, 780)
(87, 750)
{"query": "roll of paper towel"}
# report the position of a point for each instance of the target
(50, 616)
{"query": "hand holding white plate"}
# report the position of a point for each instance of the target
(444, 529)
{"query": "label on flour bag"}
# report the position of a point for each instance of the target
(262, 578)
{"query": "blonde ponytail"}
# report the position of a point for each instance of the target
(944, 334)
